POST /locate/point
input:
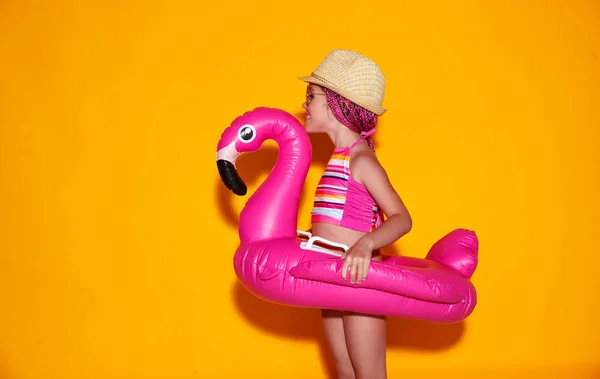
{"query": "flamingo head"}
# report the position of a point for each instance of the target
(245, 134)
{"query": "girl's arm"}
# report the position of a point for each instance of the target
(374, 177)
(367, 170)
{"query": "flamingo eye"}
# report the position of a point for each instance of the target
(247, 133)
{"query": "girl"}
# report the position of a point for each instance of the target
(343, 99)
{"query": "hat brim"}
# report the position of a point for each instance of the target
(378, 110)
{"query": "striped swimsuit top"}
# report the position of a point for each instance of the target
(340, 200)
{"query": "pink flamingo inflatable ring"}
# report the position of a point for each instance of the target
(280, 264)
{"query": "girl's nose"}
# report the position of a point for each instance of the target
(304, 105)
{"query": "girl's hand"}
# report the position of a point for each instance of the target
(358, 259)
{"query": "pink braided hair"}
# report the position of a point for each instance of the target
(355, 117)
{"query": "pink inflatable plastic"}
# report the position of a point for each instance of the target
(275, 264)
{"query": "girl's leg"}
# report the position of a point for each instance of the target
(334, 331)
(366, 343)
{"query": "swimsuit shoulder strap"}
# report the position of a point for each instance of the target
(363, 137)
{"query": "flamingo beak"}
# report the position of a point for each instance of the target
(226, 164)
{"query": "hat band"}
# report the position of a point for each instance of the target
(342, 91)
(322, 79)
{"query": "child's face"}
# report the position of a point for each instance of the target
(317, 116)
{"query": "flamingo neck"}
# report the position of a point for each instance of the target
(272, 211)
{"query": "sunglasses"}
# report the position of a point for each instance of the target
(310, 95)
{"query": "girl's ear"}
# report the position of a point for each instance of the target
(329, 111)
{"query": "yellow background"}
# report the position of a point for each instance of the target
(116, 262)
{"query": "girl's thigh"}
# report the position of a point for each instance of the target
(366, 343)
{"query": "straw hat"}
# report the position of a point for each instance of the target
(353, 76)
